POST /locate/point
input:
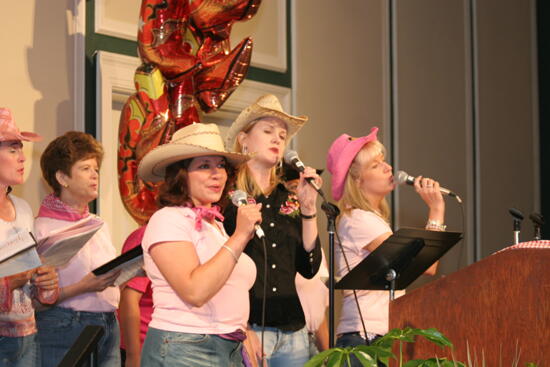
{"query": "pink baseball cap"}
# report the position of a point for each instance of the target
(340, 156)
(8, 130)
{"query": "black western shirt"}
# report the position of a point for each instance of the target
(282, 225)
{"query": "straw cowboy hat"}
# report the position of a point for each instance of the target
(188, 142)
(8, 130)
(265, 106)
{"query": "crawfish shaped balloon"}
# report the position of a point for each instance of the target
(187, 64)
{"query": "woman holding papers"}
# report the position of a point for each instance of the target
(70, 165)
(18, 346)
(200, 276)
(361, 178)
(290, 225)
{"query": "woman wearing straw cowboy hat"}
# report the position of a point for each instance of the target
(361, 178)
(17, 323)
(264, 129)
(200, 276)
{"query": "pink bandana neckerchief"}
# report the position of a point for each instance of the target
(53, 207)
(207, 214)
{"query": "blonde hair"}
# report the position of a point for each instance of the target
(244, 180)
(353, 198)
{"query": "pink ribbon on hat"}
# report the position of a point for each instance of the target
(206, 213)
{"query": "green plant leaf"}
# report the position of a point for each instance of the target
(416, 363)
(336, 359)
(435, 336)
(375, 351)
(319, 359)
(404, 335)
(366, 359)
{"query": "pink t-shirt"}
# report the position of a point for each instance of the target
(142, 285)
(228, 310)
(96, 252)
(356, 231)
(313, 294)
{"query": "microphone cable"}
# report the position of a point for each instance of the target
(462, 250)
(264, 299)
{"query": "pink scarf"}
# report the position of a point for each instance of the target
(206, 213)
(53, 207)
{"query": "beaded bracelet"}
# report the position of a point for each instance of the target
(231, 252)
(435, 225)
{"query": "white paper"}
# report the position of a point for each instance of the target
(16, 243)
(59, 247)
(21, 262)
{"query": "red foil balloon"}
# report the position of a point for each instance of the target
(187, 64)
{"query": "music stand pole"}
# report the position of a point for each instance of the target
(391, 275)
(331, 212)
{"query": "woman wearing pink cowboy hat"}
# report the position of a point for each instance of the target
(361, 178)
(17, 323)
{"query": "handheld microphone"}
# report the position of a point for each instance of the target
(291, 158)
(239, 198)
(403, 177)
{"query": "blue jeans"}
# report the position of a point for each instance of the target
(58, 329)
(170, 348)
(284, 348)
(21, 351)
(313, 350)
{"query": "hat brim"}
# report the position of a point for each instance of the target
(153, 165)
(28, 136)
(255, 112)
(22, 136)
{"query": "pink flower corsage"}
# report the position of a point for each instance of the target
(290, 207)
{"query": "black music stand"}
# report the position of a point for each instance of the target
(399, 260)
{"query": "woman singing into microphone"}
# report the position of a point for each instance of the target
(361, 178)
(200, 276)
(290, 226)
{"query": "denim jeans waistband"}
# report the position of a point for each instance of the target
(106, 316)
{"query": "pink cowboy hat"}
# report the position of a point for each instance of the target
(8, 130)
(340, 156)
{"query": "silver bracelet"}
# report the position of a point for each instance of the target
(231, 252)
(435, 225)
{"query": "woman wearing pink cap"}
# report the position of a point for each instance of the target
(361, 178)
(17, 324)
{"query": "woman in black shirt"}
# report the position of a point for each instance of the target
(290, 226)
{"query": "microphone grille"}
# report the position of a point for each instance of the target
(239, 197)
(290, 156)
(401, 177)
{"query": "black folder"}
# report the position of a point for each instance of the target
(117, 261)
(409, 252)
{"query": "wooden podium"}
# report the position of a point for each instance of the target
(500, 306)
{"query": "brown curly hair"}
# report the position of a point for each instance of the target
(64, 151)
(174, 191)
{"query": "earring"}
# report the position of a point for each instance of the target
(245, 149)
(66, 186)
